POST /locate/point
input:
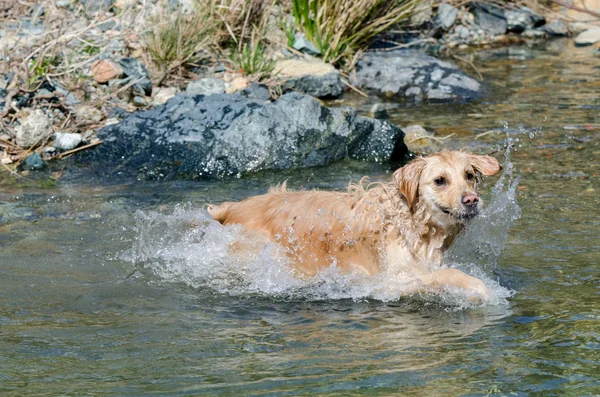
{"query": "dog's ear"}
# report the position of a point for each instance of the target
(487, 165)
(407, 180)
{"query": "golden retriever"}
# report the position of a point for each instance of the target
(402, 227)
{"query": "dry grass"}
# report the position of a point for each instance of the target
(342, 28)
(177, 38)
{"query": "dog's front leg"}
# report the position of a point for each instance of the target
(443, 278)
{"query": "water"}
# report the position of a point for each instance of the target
(100, 292)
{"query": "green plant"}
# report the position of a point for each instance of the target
(341, 28)
(176, 38)
(290, 31)
(40, 67)
(251, 60)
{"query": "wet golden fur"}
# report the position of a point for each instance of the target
(402, 226)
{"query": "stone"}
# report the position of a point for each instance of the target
(302, 44)
(96, 5)
(66, 141)
(124, 4)
(446, 15)
(70, 99)
(229, 135)
(134, 70)
(32, 162)
(237, 84)
(423, 14)
(104, 70)
(33, 129)
(556, 28)
(588, 37)
(537, 19)
(411, 75)
(163, 94)
(312, 77)
(205, 86)
(256, 91)
(89, 113)
(492, 24)
(139, 101)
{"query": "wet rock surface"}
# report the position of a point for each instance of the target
(414, 76)
(222, 135)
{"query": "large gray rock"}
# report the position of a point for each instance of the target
(408, 74)
(221, 135)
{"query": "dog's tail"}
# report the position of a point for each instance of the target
(219, 213)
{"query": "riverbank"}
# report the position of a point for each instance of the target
(76, 68)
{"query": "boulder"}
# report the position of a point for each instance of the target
(412, 75)
(311, 77)
(230, 135)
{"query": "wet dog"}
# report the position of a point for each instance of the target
(402, 227)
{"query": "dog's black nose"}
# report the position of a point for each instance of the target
(470, 200)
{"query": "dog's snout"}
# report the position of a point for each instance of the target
(470, 200)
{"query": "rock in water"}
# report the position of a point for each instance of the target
(414, 76)
(228, 135)
(588, 37)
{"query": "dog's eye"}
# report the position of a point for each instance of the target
(440, 181)
(470, 175)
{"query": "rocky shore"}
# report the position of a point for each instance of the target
(81, 78)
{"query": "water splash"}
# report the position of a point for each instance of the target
(188, 247)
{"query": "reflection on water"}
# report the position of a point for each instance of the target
(77, 317)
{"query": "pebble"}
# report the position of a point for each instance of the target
(104, 70)
(256, 91)
(447, 15)
(66, 141)
(302, 44)
(89, 113)
(32, 162)
(237, 84)
(206, 86)
(33, 129)
(163, 94)
(588, 37)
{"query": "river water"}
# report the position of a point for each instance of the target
(126, 288)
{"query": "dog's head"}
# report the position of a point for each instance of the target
(445, 183)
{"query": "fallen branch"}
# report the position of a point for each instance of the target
(471, 64)
(72, 151)
(575, 8)
(354, 88)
